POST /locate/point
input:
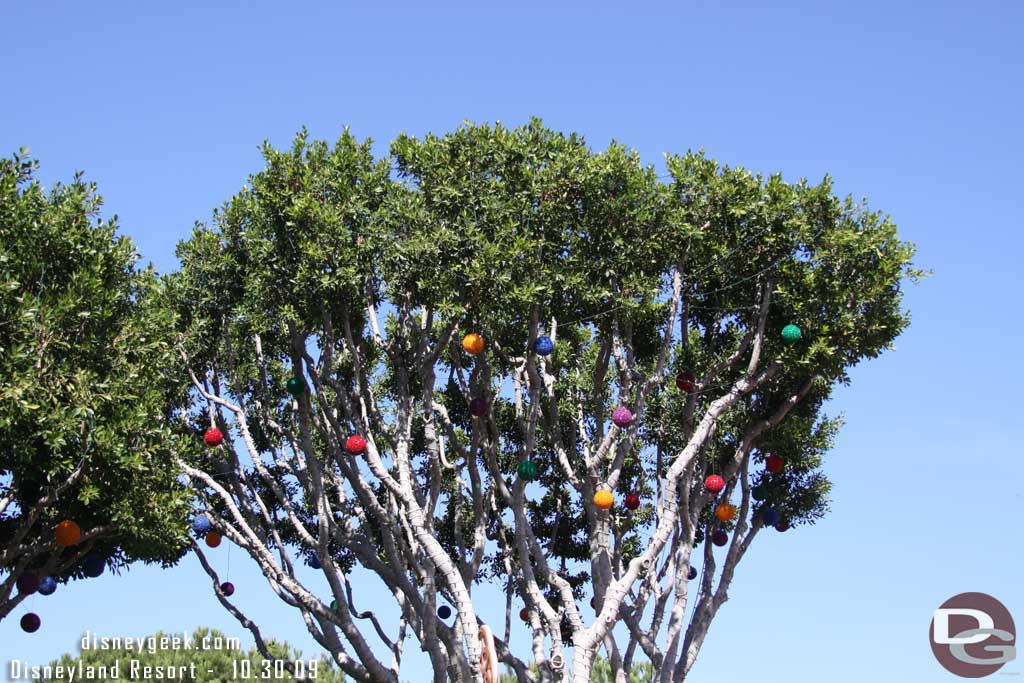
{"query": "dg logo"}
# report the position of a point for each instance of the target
(973, 635)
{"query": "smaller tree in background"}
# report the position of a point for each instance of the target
(86, 479)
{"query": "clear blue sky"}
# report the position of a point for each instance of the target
(914, 105)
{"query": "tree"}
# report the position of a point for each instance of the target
(85, 389)
(205, 655)
(338, 295)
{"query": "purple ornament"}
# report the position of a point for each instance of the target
(478, 407)
(30, 622)
(622, 417)
(28, 583)
(719, 537)
(227, 588)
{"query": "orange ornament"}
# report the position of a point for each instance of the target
(473, 343)
(213, 539)
(604, 499)
(68, 533)
(725, 512)
(524, 614)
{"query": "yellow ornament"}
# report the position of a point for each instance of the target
(603, 499)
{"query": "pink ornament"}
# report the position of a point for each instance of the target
(622, 417)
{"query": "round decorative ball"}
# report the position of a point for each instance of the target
(719, 537)
(622, 417)
(200, 524)
(313, 561)
(28, 583)
(334, 605)
(355, 445)
(295, 386)
(632, 501)
(68, 533)
(213, 539)
(685, 380)
(478, 407)
(527, 470)
(791, 333)
(693, 574)
(213, 437)
(48, 586)
(759, 492)
(774, 463)
(714, 484)
(473, 343)
(30, 622)
(603, 500)
(782, 525)
(524, 614)
(543, 345)
(93, 565)
(444, 611)
(227, 588)
(769, 516)
(725, 512)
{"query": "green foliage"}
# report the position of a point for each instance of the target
(88, 376)
(208, 655)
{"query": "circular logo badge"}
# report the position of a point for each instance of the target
(973, 635)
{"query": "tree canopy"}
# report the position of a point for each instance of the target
(333, 295)
(86, 386)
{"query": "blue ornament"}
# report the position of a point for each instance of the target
(543, 345)
(444, 611)
(313, 561)
(47, 586)
(769, 516)
(93, 565)
(200, 525)
(693, 574)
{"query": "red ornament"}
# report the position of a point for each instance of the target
(632, 501)
(714, 484)
(774, 463)
(355, 444)
(213, 437)
(685, 380)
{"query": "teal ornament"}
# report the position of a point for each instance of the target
(758, 492)
(295, 386)
(791, 333)
(527, 470)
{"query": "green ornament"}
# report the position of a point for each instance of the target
(758, 492)
(791, 333)
(527, 470)
(334, 605)
(295, 386)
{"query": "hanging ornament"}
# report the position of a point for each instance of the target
(93, 565)
(213, 437)
(603, 500)
(774, 463)
(227, 588)
(692, 575)
(622, 417)
(30, 622)
(473, 343)
(684, 381)
(769, 516)
(200, 525)
(68, 533)
(714, 484)
(543, 346)
(527, 470)
(295, 386)
(725, 512)
(444, 611)
(782, 525)
(478, 407)
(524, 614)
(47, 586)
(334, 606)
(719, 537)
(759, 492)
(313, 561)
(213, 539)
(28, 583)
(632, 501)
(791, 333)
(355, 445)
